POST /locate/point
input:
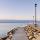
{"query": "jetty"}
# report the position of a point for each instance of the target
(20, 34)
(29, 32)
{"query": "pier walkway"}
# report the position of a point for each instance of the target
(20, 34)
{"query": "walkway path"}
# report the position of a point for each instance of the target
(20, 34)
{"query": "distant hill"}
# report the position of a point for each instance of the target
(16, 21)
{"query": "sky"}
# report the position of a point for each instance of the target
(18, 9)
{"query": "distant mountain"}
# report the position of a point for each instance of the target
(16, 21)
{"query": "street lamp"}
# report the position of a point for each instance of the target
(35, 15)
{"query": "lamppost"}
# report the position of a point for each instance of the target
(35, 15)
(33, 19)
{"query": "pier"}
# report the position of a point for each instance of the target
(20, 34)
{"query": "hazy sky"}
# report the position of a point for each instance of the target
(18, 9)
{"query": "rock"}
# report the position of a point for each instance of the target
(33, 32)
(33, 39)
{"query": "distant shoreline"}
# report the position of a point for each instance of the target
(17, 21)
